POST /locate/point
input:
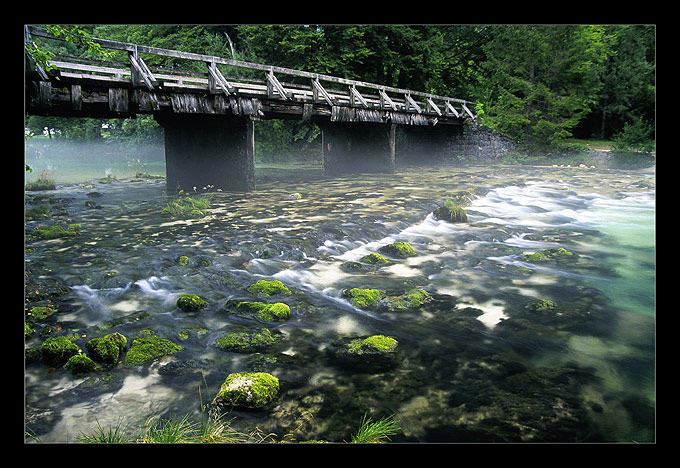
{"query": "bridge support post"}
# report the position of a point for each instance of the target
(357, 147)
(208, 150)
(427, 143)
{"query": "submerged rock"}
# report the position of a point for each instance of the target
(373, 353)
(80, 364)
(252, 390)
(191, 303)
(398, 249)
(246, 342)
(277, 311)
(549, 254)
(106, 349)
(367, 299)
(56, 351)
(149, 348)
(268, 288)
(375, 259)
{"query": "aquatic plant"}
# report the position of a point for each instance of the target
(398, 249)
(451, 212)
(248, 389)
(268, 288)
(375, 432)
(187, 207)
(149, 348)
(191, 303)
(182, 260)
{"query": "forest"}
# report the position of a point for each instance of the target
(541, 85)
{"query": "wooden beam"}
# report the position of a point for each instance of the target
(385, 99)
(273, 84)
(354, 96)
(411, 103)
(216, 78)
(76, 97)
(432, 105)
(318, 89)
(472, 116)
(450, 108)
(140, 70)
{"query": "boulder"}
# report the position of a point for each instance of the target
(251, 390)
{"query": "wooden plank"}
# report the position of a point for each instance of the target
(450, 108)
(432, 105)
(274, 84)
(356, 96)
(385, 99)
(411, 103)
(472, 116)
(76, 97)
(118, 100)
(45, 93)
(318, 89)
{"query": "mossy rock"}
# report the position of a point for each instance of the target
(412, 299)
(375, 259)
(187, 207)
(549, 254)
(376, 353)
(252, 390)
(80, 364)
(246, 342)
(182, 260)
(39, 312)
(149, 348)
(398, 250)
(57, 350)
(541, 305)
(191, 303)
(55, 232)
(367, 299)
(275, 312)
(268, 288)
(106, 349)
(375, 344)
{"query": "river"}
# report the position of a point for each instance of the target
(478, 362)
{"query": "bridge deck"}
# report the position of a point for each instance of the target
(87, 87)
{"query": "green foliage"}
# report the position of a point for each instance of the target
(187, 207)
(637, 136)
(375, 432)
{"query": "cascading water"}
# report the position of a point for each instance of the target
(479, 362)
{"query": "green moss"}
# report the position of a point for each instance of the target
(277, 311)
(28, 329)
(372, 344)
(547, 254)
(191, 303)
(39, 313)
(147, 349)
(55, 232)
(541, 305)
(363, 298)
(80, 364)
(268, 288)
(248, 389)
(375, 259)
(58, 350)
(182, 260)
(416, 297)
(398, 249)
(106, 349)
(245, 342)
(42, 211)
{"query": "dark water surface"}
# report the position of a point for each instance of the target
(477, 363)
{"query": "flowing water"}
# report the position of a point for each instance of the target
(476, 363)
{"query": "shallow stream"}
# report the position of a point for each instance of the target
(476, 363)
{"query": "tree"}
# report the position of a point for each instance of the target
(541, 80)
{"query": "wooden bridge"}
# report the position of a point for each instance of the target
(208, 116)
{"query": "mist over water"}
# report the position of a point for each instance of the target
(476, 364)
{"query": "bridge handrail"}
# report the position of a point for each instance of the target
(208, 59)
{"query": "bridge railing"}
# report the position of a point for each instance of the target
(323, 89)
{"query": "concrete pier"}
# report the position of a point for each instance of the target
(208, 150)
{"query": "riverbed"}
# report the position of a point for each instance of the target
(479, 362)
